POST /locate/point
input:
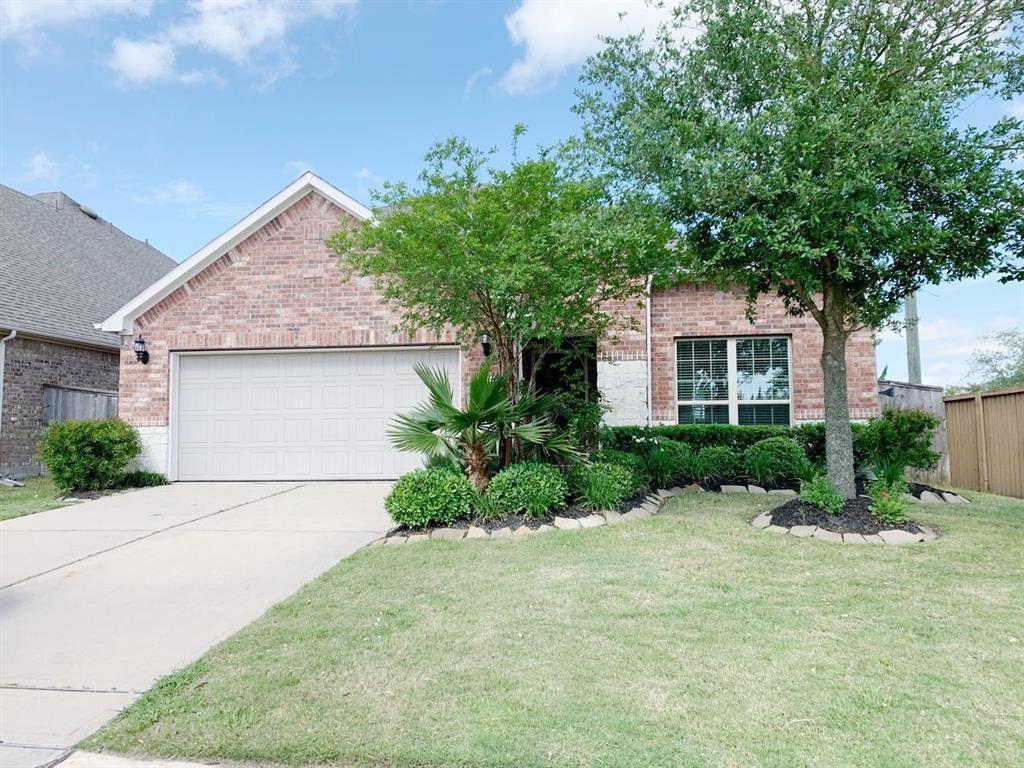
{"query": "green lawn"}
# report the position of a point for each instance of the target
(689, 639)
(37, 495)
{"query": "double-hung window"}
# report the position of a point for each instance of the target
(733, 381)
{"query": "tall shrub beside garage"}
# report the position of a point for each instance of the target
(89, 455)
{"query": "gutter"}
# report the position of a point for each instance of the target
(3, 360)
(650, 396)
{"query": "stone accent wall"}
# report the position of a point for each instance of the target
(624, 386)
(696, 311)
(32, 364)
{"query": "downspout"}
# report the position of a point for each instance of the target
(650, 397)
(3, 360)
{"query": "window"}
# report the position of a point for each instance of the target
(733, 381)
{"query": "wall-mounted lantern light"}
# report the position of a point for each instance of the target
(140, 350)
(485, 345)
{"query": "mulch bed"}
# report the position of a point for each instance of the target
(855, 518)
(515, 521)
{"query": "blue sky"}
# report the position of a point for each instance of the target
(173, 120)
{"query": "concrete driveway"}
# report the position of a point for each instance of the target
(100, 599)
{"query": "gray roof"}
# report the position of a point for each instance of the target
(62, 270)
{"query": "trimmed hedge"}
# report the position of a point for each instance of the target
(528, 487)
(810, 437)
(434, 496)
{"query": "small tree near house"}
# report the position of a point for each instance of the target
(524, 256)
(809, 149)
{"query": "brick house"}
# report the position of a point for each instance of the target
(62, 269)
(264, 365)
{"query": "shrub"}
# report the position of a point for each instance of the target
(901, 437)
(142, 479)
(822, 494)
(697, 436)
(631, 461)
(528, 487)
(773, 459)
(433, 496)
(887, 502)
(601, 486)
(710, 463)
(664, 461)
(88, 455)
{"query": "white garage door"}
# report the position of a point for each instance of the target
(319, 415)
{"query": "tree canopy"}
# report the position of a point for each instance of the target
(999, 366)
(524, 255)
(810, 149)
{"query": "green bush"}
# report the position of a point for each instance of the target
(822, 494)
(718, 461)
(601, 486)
(811, 437)
(697, 436)
(142, 479)
(887, 503)
(528, 487)
(901, 438)
(88, 455)
(631, 461)
(773, 459)
(664, 461)
(434, 496)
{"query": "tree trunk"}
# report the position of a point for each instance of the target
(838, 434)
(476, 467)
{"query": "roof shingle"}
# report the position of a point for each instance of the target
(61, 270)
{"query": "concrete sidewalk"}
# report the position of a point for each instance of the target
(99, 600)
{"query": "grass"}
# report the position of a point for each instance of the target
(37, 495)
(688, 639)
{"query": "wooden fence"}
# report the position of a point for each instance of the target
(902, 395)
(986, 440)
(61, 404)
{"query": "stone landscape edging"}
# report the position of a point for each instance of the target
(894, 536)
(651, 505)
(654, 501)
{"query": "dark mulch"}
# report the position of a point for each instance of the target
(855, 518)
(515, 521)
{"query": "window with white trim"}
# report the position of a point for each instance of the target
(733, 381)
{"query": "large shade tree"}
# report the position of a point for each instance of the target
(811, 149)
(525, 255)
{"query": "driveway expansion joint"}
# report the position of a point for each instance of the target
(148, 536)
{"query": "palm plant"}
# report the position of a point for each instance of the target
(474, 435)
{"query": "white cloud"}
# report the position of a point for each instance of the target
(179, 191)
(475, 77)
(558, 34)
(190, 196)
(1016, 108)
(40, 167)
(248, 33)
(295, 168)
(23, 18)
(142, 61)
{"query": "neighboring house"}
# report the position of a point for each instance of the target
(264, 364)
(62, 270)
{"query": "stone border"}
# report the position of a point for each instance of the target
(651, 505)
(927, 497)
(895, 536)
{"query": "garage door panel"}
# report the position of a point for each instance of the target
(309, 415)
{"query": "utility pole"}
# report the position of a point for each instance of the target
(913, 340)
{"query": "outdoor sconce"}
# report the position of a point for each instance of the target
(485, 345)
(140, 350)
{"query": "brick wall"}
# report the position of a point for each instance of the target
(281, 287)
(32, 364)
(695, 311)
